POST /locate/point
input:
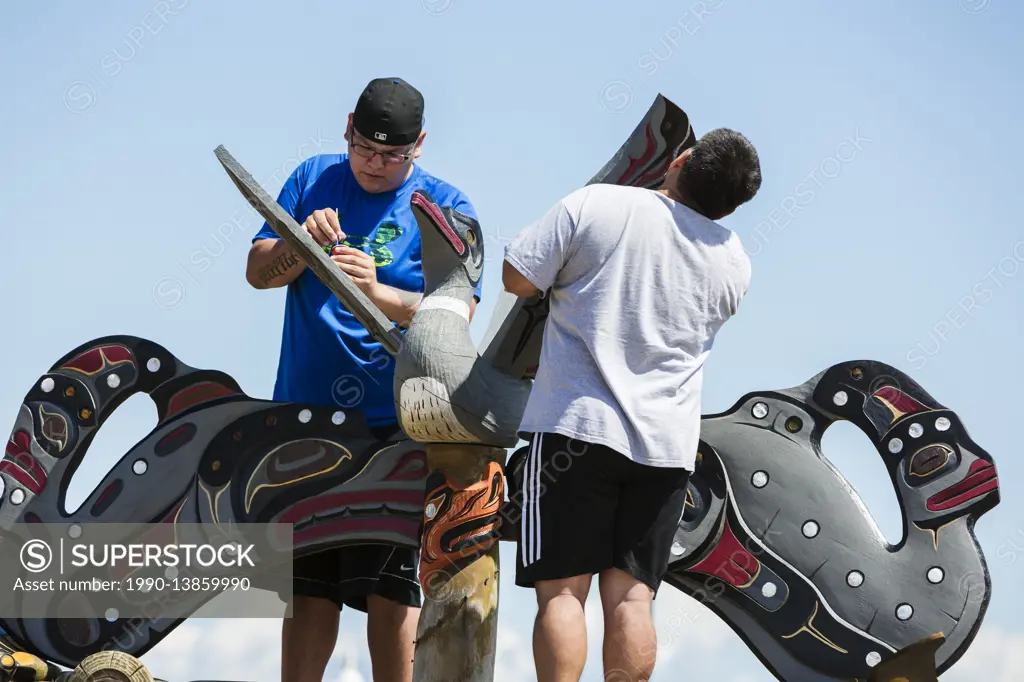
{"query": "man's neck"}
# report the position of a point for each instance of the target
(674, 195)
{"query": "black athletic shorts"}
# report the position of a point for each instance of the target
(347, 576)
(587, 508)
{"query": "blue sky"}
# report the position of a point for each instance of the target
(902, 121)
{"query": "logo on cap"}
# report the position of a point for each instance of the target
(381, 136)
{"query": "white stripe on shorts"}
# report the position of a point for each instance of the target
(530, 530)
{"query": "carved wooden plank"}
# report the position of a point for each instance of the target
(377, 323)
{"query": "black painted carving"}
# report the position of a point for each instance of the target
(780, 546)
(216, 456)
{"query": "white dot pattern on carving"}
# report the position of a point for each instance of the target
(153, 365)
(338, 418)
(895, 445)
(769, 590)
(113, 380)
(915, 430)
(759, 479)
(17, 496)
(840, 398)
(855, 579)
(46, 385)
(942, 424)
(75, 531)
(111, 614)
(171, 572)
(431, 510)
(305, 416)
(873, 659)
(904, 611)
(760, 410)
(811, 529)
(936, 575)
(677, 548)
(140, 467)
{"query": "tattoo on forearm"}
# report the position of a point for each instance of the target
(278, 267)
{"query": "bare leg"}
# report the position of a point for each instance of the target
(308, 639)
(391, 635)
(560, 631)
(630, 642)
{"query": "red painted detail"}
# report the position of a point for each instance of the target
(107, 497)
(652, 174)
(25, 470)
(116, 354)
(729, 561)
(645, 158)
(195, 394)
(412, 467)
(323, 503)
(980, 480)
(22, 466)
(107, 492)
(898, 399)
(92, 361)
(89, 362)
(435, 214)
(175, 440)
(19, 443)
(405, 527)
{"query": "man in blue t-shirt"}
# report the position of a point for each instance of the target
(358, 204)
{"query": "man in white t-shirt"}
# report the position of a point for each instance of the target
(640, 281)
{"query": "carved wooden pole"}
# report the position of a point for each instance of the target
(458, 626)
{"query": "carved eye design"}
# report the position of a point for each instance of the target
(695, 508)
(930, 461)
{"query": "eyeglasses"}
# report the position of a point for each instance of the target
(368, 152)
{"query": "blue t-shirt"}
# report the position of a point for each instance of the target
(327, 356)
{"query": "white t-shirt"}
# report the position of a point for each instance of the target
(640, 285)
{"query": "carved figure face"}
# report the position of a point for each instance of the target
(453, 244)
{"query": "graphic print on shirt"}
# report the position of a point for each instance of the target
(383, 235)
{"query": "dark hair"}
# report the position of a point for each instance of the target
(722, 173)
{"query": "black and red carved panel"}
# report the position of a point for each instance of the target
(779, 545)
(216, 455)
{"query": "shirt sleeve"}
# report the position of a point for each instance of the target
(462, 204)
(290, 198)
(541, 249)
(737, 279)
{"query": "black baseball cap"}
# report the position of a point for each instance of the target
(389, 111)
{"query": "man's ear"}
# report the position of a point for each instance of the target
(681, 160)
(348, 128)
(419, 145)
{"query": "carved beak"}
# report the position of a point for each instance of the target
(980, 480)
(426, 209)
